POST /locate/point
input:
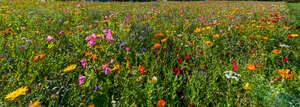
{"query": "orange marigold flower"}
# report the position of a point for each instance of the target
(159, 35)
(161, 103)
(157, 46)
(251, 67)
(286, 73)
(276, 51)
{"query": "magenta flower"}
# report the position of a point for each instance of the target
(106, 69)
(88, 38)
(92, 42)
(92, 39)
(50, 38)
(127, 49)
(61, 32)
(109, 35)
(94, 36)
(83, 62)
(81, 79)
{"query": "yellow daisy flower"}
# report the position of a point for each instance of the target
(70, 68)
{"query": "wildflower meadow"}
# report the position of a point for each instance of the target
(147, 54)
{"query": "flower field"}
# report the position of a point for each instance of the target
(165, 54)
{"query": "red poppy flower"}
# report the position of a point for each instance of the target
(192, 105)
(201, 53)
(176, 71)
(129, 67)
(235, 68)
(285, 59)
(0, 58)
(187, 57)
(180, 60)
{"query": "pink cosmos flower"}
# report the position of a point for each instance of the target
(81, 79)
(83, 62)
(50, 38)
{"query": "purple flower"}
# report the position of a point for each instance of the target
(141, 37)
(50, 38)
(143, 50)
(83, 62)
(81, 79)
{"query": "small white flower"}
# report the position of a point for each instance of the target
(284, 45)
(232, 75)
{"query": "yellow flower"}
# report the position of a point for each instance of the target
(35, 104)
(286, 73)
(209, 43)
(294, 35)
(247, 86)
(251, 67)
(116, 67)
(17, 93)
(70, 68)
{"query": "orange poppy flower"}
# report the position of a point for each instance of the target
(251, 67)
(159, 35)
(157, 46)
(276, 51)
(161, 103)
(286, 73)
(265, 38)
